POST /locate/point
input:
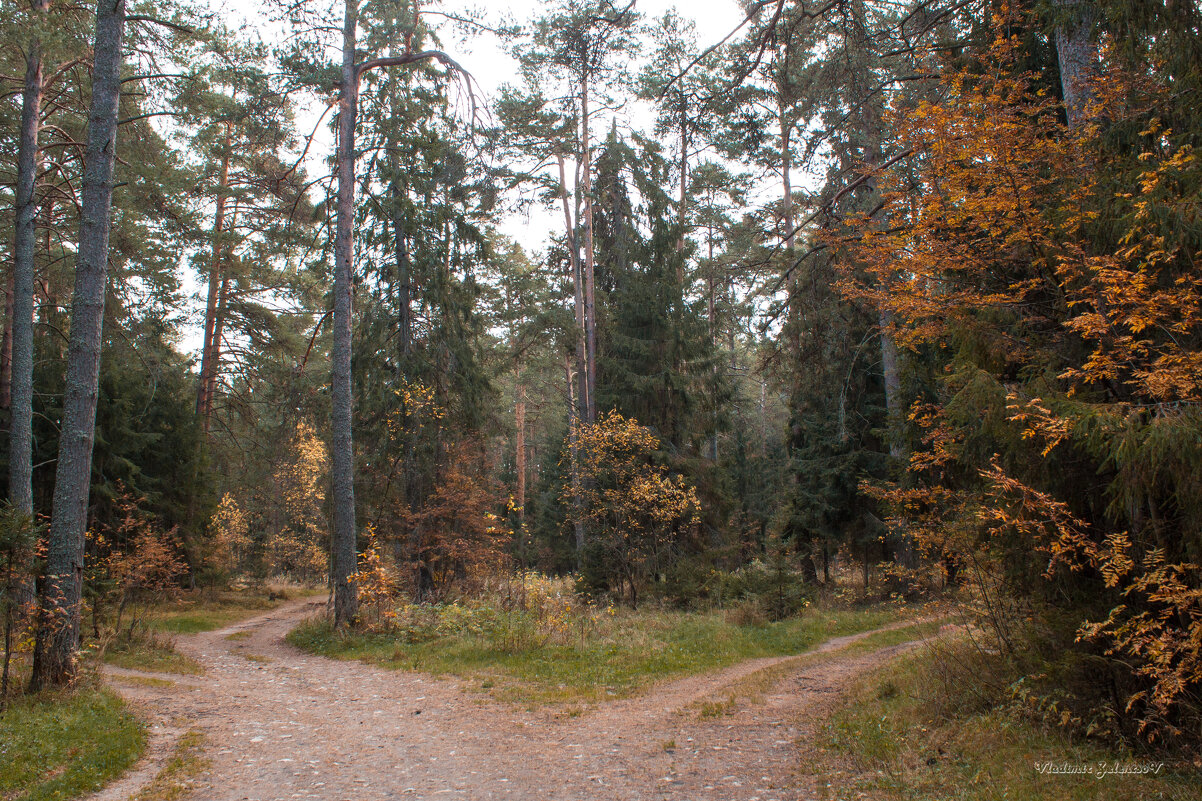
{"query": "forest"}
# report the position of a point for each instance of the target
(573, 353)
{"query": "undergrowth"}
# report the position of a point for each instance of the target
(527, 654)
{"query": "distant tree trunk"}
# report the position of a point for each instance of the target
(342, 460)
(56, 650)
(764, 419)
(712, 312)
(208, 361)
(889, 369)
(404, 283)
(519, 412)
(1077, 52)
(574, 466)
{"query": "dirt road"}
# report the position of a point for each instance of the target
(281, 724)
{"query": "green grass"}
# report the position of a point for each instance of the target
(144, 681)
(886, 742)
(624, 654)
(152, 654)
(64, 746)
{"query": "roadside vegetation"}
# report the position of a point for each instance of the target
(919, 730)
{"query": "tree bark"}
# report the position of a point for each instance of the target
(55, 660)
(578, 295)
(343, 562)
(1077, 52)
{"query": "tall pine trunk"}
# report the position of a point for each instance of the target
(208, 358)
(891, 374)
(590, 295)
(682, 204)
(18, 344)
(342, 460)
(577, 401)
(55, 661)
(20, 460)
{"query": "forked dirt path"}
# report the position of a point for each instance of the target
(281, 724)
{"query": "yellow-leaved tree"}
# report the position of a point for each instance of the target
(634, 507)
(298, 538)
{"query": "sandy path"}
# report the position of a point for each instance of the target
(281, 724)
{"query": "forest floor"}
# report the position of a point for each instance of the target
(266, 721)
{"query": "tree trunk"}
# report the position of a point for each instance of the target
(218, 334)
(55, 653)
(342, 471)
(682, 206)
(20, 395)
(577, 400)
(208, 361)
(590, 299)
(1077, 52)
(786, 169)
(6, 350)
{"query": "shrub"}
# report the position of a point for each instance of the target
(775, 585)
